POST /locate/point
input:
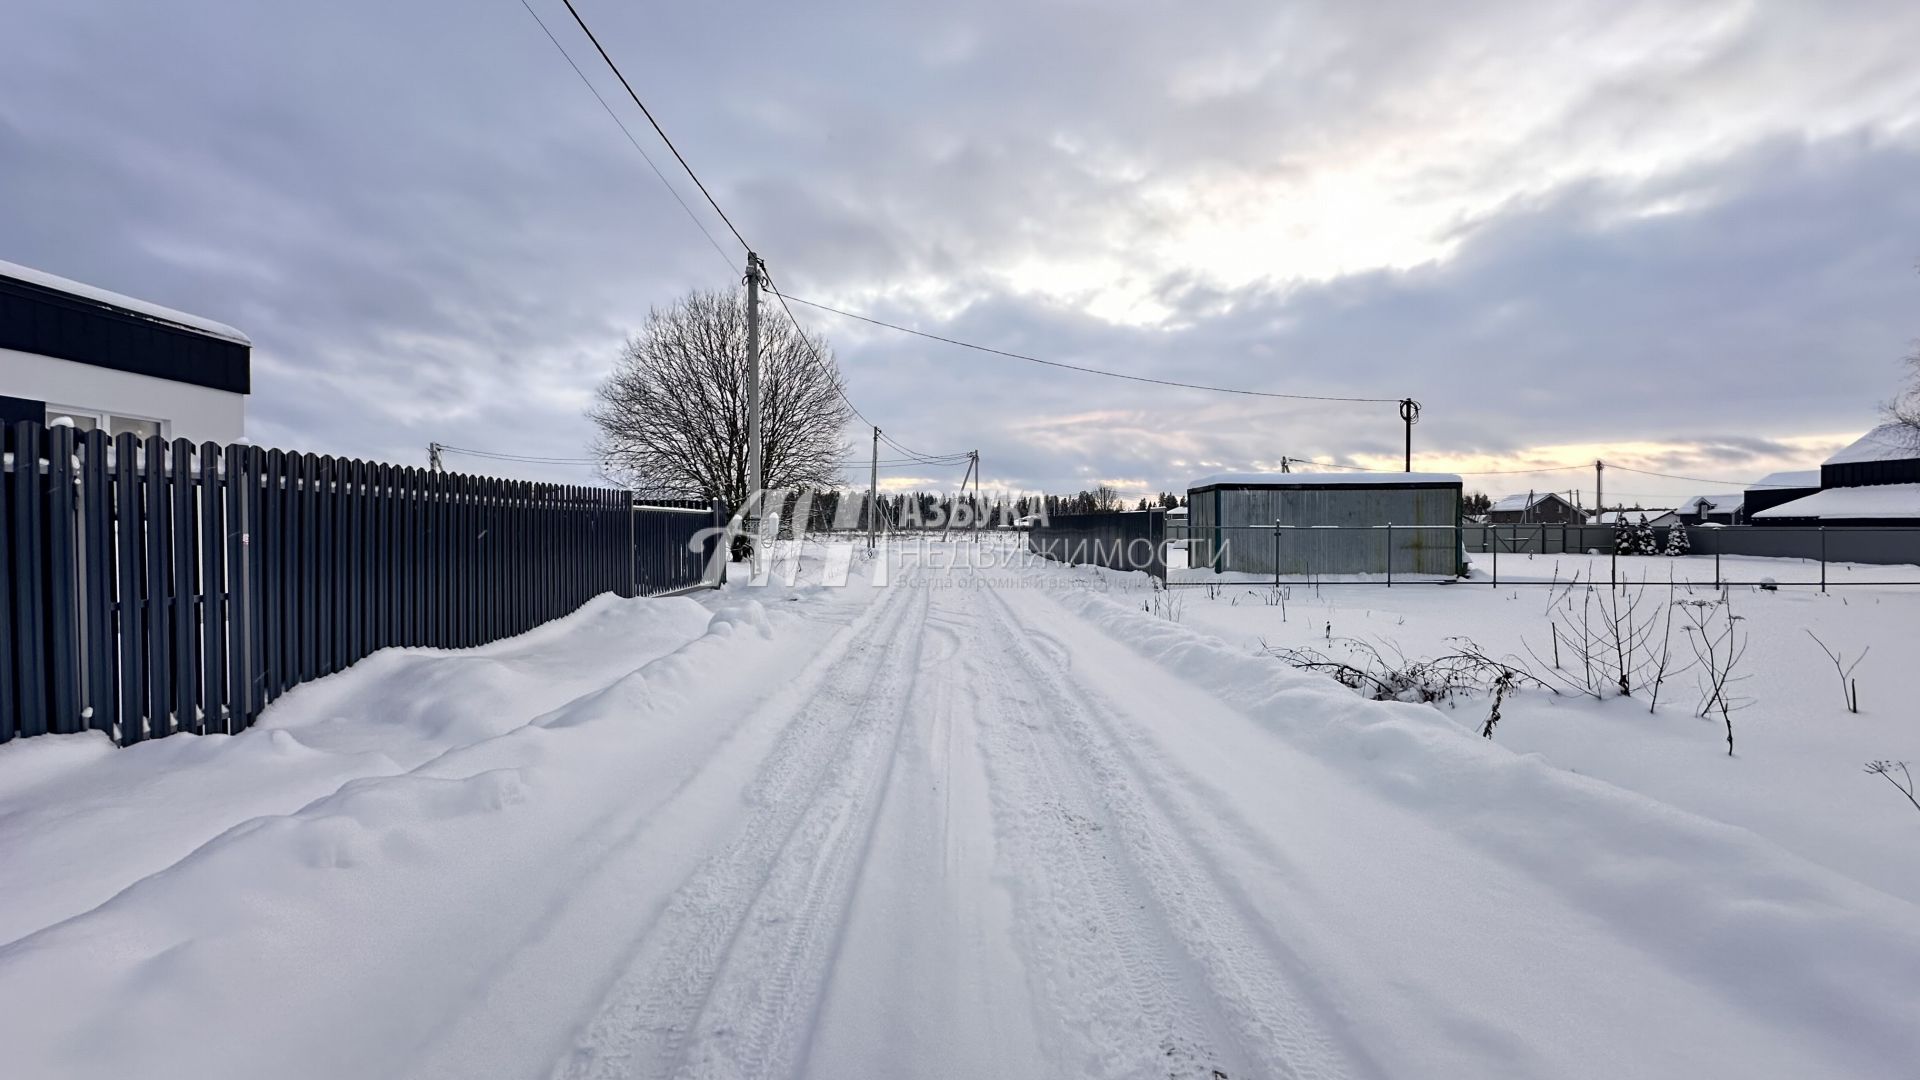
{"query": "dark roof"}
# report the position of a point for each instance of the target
(46, 315)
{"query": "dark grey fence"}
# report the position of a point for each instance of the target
(1539, 539)
(1878, 545)
(1821, 548)
(149, 587)
(667, 554)
(1118, 540)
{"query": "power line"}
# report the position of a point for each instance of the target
(1083, 368)
(703, 191)
(951, 460)
(1523, 472)
(615, 117)
(1701, 480)
(656, 124)
(834, 376)
(445, 449)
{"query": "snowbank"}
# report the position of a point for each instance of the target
(1811, 950)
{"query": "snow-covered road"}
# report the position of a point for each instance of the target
(975, 823)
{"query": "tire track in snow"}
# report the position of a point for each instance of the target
(1142, 953)
(726, 982)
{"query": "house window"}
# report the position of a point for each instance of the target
(123, 425)
(95, 420)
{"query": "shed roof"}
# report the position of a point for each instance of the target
(1323, 479)
(1840, 504)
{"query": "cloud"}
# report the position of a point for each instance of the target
(1665, 231)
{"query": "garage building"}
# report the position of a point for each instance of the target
(1331, 523)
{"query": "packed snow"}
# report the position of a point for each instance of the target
(965, 815)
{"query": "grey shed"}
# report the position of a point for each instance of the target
(1232, 519)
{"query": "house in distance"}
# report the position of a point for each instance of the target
(112, 363)
(1873, 482)
(1535, 508)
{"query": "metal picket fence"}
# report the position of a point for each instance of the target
(1118, 540)
(152, 586)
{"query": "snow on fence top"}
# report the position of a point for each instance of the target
(1840, 504)
(1888, 442)
(125, 303)
(1321, 479)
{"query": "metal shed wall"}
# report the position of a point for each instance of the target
(1233, 529)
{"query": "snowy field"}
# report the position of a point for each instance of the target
(987, 821)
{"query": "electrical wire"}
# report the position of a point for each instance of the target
(675, 192)
(834, 376)
(1083, 368)
(1521, 472)
(644, 156)
(714, 203)
(677, 156)
(445, 449)
(1703, 480)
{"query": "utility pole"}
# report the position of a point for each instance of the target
(977, 512)
(1409, 412)
(873, 488)
(755, 481)
(946, 527)
(1599, 492)
(433, 457)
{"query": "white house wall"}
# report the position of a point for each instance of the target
(192, 412)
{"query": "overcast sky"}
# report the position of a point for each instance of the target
(1682, 237)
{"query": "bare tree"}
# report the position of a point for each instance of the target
(673, 413)
(1904, 410)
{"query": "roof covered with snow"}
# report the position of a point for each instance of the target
(125, 303)
(1712, 504)
(1526, 500)
(1322, 479)
(1840, 504)
(1797, 478)
(1888, 442)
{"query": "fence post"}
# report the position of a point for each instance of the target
(1276, 555)
(1716, 566)
(1495, 548)
(1613, 566)
(1389, 554)
(1823, 558)
(64, 691)
(8, 721)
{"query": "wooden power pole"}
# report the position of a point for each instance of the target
(873, 489)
